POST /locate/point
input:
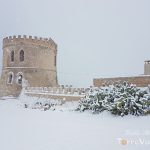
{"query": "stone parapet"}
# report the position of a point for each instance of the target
(59, 93)
(140, 81)
(13, 40)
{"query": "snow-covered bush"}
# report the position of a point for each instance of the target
(121, 99)
(38, 102)
(94, 100)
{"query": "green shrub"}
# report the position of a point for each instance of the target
(121, 99)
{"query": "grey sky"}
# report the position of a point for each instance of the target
(96, 38)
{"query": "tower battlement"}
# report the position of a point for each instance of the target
(48, 42)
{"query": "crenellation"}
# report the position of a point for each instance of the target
(30, 37)
(5, 40)
(50, 40)
(19, 36)
(14, 37)
(35, 37)
(47, 42)
(10, 37)
(24, 37)
(46, 39)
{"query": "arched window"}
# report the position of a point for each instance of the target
(21, 55)
(20, 79)
(10, 78)
(12, 56)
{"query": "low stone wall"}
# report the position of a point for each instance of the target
(140, 81)
(56, 97)
(67, 93)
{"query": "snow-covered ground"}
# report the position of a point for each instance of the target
(63, 129)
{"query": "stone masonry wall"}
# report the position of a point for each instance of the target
(140, 81)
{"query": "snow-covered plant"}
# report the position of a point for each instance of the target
(120, 99)
(95, 101)
(38, 102)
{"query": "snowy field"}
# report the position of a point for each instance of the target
(63, 129)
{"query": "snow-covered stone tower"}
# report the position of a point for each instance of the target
(32, 59)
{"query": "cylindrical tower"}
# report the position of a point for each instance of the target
(147, 67)
(32, 59)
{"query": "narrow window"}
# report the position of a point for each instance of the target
(55, 61)
(10, 78)
(21, 55)
(12, 56)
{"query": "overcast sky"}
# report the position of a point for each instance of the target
(96, 38)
